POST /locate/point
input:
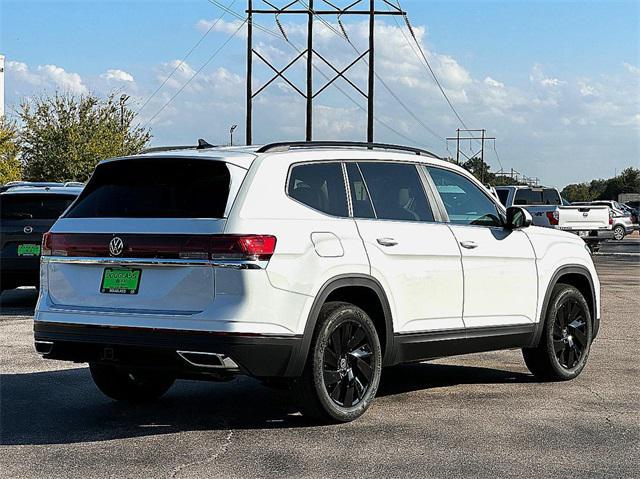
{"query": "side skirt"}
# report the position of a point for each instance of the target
(436, 344)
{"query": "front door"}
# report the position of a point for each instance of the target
(500, 275)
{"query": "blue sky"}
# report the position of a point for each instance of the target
(557, 82)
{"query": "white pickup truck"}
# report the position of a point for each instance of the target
(548, 209)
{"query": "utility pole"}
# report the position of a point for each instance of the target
(308, 93)
(470, 136)
(123, 100)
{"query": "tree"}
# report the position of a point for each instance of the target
(63, 137)
(10, 168)
(626, 182)
(480, 170)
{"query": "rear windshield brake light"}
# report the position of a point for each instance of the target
(209, 247)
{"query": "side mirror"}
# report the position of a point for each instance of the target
(518, 218)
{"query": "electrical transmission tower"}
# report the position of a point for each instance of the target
(471, 135)
(298, 7)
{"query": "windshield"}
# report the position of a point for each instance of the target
(155, 188)
(34, 206)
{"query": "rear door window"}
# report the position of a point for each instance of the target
(34, 206)
(320, 186)
(396, 191)
(155, 188)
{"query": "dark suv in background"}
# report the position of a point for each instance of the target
(27, 211)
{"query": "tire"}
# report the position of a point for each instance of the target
(619, 233)
(567, 334)
(343, 369)
(123, 385)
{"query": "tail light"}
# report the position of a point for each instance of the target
(211, 247)
(610, 216)
(554, 217)
(45, 250)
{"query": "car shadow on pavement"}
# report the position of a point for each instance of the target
(61, 407)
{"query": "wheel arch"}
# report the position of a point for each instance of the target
(574, 275)
(359, 290)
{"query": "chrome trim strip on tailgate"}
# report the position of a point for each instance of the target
(218, 263)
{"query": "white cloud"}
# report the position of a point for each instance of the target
(48, 76)
(631, 68)
(117, 75)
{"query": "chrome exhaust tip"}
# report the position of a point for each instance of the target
(43, 347)
(208, 360)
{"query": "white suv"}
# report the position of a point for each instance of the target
(319, 263)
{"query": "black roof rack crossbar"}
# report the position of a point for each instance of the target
(287, 145)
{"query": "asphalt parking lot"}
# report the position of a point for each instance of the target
(479, 415)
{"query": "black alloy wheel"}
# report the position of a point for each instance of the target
(570, 333)
(348, 364)
(565, 341)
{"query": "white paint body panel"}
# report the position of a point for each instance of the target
(431, 283)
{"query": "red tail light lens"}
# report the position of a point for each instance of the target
(610, 216)
(554, 217)
(46, 244)
(257, 247)
(236, 247)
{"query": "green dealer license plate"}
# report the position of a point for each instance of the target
(28, 250)
(121, 280)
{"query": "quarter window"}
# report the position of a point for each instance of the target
(396, 191)
(320, 186)
(465, 203)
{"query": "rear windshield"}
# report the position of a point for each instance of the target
(155, 188)
(34, 206)
(537, 196)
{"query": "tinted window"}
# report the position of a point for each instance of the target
(503, 195)
(155, 188)
(360, 200)
(396, 191)
(536, 196)
(465, 203)
(36, 206)
(320, 186)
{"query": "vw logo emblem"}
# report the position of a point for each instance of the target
(116, 245)
(585, 214)
(28, 229)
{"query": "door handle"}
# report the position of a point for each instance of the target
(469, 244)
(387, 241)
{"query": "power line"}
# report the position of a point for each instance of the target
(431, 71)
(497, 156)
(384, 84)
(215, 53)
(298, 50)
(184, 58)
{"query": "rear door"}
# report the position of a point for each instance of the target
(500, 275)
(149, 222)
(413, 256)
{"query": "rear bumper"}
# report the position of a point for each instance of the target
(149, 348)
(13, 277)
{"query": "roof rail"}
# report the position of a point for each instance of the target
(288, 145)
(72, 184)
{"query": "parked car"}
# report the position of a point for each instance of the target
(550, 210)
(622, 224)
(314, 264)
(27, 211)
(631, 212)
